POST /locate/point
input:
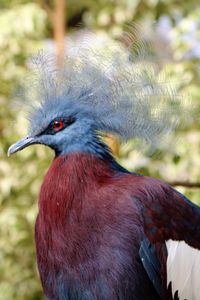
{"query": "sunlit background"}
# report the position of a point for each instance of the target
(25, 27)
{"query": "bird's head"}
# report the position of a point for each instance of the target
(73, 105)
(63, 128)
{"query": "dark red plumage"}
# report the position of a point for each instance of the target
(92, 219)
(86, 226)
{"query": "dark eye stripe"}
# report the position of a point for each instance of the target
(69, 121)
(51, 129)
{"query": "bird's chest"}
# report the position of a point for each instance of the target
(82, 249)
(91, 255)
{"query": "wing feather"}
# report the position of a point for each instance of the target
(183, 269)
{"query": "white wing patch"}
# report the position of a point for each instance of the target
(183, 270)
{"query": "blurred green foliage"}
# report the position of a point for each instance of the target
(24, 25)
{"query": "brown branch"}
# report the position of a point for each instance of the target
(59, 29)
(185, 184)
(56, 11)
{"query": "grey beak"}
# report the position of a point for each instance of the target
(21, 144)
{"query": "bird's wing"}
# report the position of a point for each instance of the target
(170, 253)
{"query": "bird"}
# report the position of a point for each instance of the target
(103, 232)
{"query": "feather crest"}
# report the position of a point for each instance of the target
(121, 88)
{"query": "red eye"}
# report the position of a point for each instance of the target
(58, 125)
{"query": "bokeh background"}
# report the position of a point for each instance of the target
(25, 27)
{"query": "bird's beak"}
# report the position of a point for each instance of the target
(21, 144)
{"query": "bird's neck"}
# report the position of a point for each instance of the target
(91, 143)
